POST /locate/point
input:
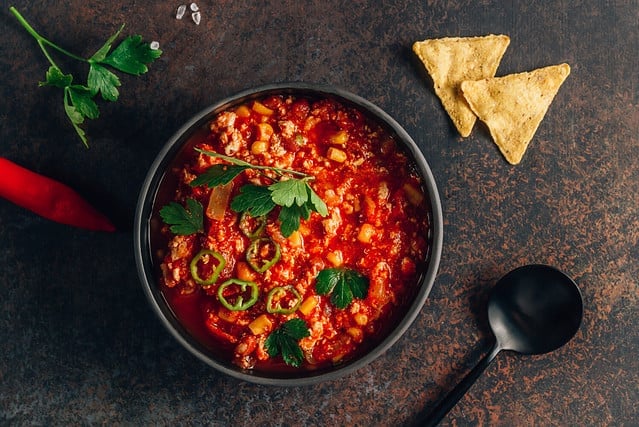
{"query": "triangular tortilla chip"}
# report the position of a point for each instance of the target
(452, 60)
(513, 106)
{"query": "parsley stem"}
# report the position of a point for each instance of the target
(279, 171)
(42, 41)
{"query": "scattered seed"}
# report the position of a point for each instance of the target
(194, 7)
(154, 45)
(181, 10)
(196, 17)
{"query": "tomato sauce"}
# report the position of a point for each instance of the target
(376, 225)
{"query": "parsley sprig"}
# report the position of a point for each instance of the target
(285, 341)
(342, 284)
(131, 56)
(184, 221)
(291, 191)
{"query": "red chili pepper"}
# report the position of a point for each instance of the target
(49, 198)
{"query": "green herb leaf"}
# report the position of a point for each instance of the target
(294, 195)
(218, 175)
(184, 221)
(253, 199)
(285, 341)
(342, 284)
(104, 50)
(316, 201)
(132, 55)
(55, 77)
(290, 218)
(82, 100)
(76, 119)
(102, 80)
(75, 116)
(289, 192)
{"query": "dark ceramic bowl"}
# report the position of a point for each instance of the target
(157, 190)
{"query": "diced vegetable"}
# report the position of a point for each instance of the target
(336, 154)
(264, 132)
(262, 109)
(259, 147)
(413, 195)
(339, 138)
(335, 257)
(366, 233)
(243, 111)
(219, 201)
(260, 325)
(308, 305)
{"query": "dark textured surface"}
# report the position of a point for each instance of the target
(78, 342)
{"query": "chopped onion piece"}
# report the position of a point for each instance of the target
(218, 201)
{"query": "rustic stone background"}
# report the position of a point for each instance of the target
(80, 345)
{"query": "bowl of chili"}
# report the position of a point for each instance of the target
(289, 234)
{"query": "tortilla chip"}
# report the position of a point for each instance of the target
(452, 60)
(513, 106)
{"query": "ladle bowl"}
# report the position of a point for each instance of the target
(534, 309)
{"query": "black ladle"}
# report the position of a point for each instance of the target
(534, 309)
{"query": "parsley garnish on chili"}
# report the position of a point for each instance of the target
(342, 284)
(292, 191)
(285, 341)
(184, 221)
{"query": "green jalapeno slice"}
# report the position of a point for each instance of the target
(221, 262)
(252, 227)
(262, 254)
(232, 293)
(283, 300)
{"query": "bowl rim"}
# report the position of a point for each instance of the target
(156, 172)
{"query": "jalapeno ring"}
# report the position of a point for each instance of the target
(216, 272)
(252, 227)
(275, 297)
(254, 257)
(238, 304)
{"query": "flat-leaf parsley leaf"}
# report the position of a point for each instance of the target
(285, 341)
(184, 221)
(254, 200)
(218, 175)
(342, 284)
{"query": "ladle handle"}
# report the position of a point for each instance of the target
(436, 415)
